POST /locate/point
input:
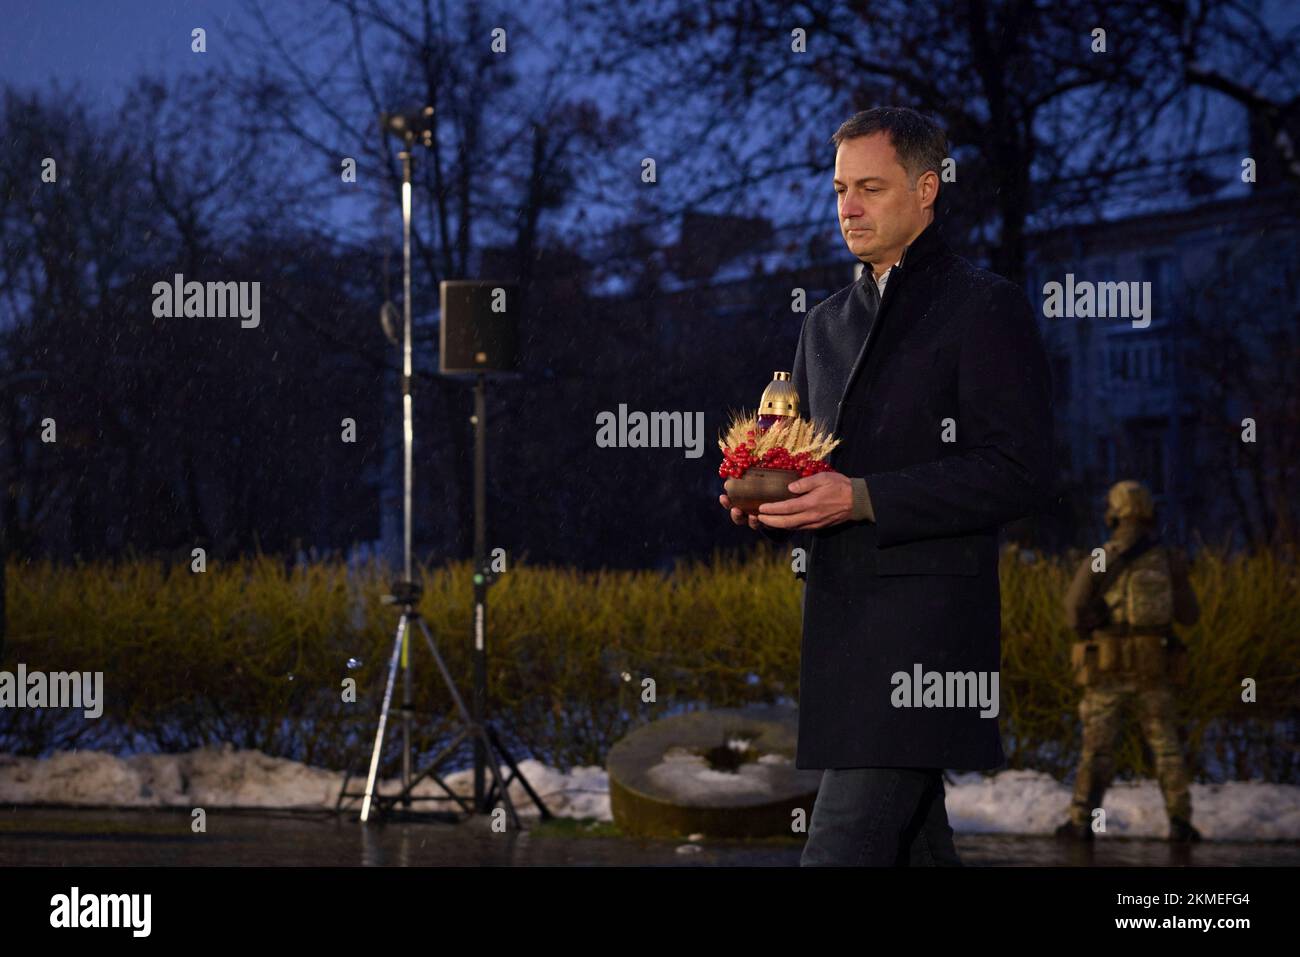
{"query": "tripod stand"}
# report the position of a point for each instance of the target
(486, 744)
(483, 736)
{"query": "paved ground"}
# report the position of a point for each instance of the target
(86, 837)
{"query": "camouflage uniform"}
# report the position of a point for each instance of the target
(1143, 599)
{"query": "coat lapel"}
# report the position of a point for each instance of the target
(921, 248)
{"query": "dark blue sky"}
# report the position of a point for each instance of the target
(99, 47)
(104, 44)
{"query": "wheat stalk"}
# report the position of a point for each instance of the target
(796, 435)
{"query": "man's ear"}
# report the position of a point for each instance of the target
(928, 185)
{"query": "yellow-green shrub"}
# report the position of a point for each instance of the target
(255, 653)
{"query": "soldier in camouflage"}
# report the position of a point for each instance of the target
(1123, 611)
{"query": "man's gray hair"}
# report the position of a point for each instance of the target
(919, 141)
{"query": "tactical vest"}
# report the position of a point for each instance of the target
(1142, 597)
(1138, 640)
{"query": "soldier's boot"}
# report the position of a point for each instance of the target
(1182, 832)
(1090, 785)
(1073, 831)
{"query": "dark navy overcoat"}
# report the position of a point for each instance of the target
(919, 585)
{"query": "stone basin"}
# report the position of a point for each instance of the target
(721, 773)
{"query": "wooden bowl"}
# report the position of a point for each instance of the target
(759, 485)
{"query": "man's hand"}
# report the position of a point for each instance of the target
(737, 515)
(823, 499)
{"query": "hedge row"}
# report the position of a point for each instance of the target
(258, 654)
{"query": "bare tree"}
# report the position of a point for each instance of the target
(1230, 48)
(512, 126)
(997, 73)
(169, 431)
(1243, 343)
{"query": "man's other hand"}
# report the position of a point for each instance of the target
(823, 499)
(737, 515)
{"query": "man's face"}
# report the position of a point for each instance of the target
(879, 214)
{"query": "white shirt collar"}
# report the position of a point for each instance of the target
(884, 277)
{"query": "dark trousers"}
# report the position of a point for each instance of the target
(880, 817)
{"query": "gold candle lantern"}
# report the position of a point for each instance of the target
(780, 402)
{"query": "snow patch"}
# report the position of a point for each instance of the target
(692, 780)
(1010, 802)
(1033, 802)
(225, 777)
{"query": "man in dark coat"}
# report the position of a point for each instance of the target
(940, 392)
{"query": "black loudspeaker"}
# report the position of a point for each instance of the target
(479, 331)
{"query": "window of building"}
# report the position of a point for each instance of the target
(1157, 270)
(1118, 371)
(1144, 456)
(1153, 462)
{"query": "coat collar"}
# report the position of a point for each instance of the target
(928, 245)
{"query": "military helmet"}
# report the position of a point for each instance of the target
(1129, 499)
